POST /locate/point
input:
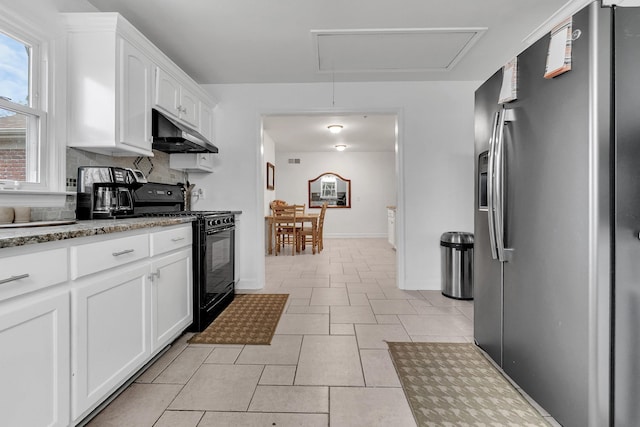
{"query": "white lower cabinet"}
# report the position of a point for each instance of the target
(111, 333)
(78, 318)
(34, 360)
(171, 296)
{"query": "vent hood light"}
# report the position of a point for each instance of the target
(335, 128)
(341, 147)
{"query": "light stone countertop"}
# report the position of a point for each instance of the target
(12, 237)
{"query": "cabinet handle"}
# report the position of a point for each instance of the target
(126, 251)
(177, 239)
(156, 274)
(14, 278)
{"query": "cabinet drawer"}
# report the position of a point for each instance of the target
(102, 255)
(173, 238)
(29, 272)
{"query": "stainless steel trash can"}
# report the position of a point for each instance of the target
(456, 250)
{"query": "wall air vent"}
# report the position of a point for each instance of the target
(384, 50)
(294, 161)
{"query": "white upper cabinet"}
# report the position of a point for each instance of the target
(135, 111)
(176, 99)
(192, 162)
(167, 93)
(189, 107)
(109, 105)
(115, 77)
(206, 121)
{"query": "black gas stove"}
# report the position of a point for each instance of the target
(213, 248)
(211, 220)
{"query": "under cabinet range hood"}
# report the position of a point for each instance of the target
(171, 136)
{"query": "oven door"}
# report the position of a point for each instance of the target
(219, 266)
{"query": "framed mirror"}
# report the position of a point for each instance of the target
(330, 188)
(271, 176)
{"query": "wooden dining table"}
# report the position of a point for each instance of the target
(302, 219)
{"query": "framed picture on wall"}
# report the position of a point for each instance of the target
(271, 176)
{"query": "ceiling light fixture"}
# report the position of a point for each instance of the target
(340, 147)
(335, 128)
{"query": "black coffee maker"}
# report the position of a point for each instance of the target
(106, 192)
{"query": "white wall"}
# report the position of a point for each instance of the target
(373, 188)
(269, 150)
(435, 153)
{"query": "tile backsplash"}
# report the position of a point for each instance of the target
(156, 169)
(52, 214)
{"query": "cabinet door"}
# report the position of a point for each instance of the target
(189, 107)
(34, 361)
(206, 121)
(171, 296)
(193, 162)
(135, 97)
(167, 93)
(110, 320)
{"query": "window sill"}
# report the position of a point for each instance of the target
(32, 198)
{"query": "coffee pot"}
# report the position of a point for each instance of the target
(106, 192)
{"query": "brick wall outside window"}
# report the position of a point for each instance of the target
(12, 164)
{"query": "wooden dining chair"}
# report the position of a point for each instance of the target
(285, 228)
(320, 228)
(307, 235)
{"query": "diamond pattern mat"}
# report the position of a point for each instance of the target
(249, 319)
(450, 384)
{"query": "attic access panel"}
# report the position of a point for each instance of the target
(410, 49)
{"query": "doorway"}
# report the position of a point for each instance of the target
(302, 147)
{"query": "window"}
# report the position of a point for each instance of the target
(328, 188)
(22, 118)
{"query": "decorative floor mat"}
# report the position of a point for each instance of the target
(450, 384)
(249, 319)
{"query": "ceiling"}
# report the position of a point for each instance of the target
(276, 41)
(306, 41)
(304, 133)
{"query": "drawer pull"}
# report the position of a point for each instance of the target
(126, 251)
(14, 278)
(177, 239)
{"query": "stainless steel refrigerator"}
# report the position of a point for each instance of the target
(557, 217)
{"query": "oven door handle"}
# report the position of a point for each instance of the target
(218, 230)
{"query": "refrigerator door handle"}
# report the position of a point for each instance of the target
(491, 186)
(503, 253)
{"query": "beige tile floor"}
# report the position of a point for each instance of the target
(328, 363)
